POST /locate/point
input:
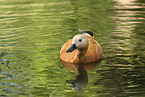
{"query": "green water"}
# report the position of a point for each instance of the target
(33, 31)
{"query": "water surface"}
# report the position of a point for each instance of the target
(31, 36)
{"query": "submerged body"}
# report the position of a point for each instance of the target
(86, 50)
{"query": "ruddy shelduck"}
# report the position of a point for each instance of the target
(81, 49)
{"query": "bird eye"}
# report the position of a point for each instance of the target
(80, 40)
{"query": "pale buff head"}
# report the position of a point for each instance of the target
(79, 42)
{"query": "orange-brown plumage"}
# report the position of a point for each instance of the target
(88, 53)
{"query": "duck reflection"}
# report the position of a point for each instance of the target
(81, 79)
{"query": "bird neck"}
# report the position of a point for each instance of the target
(79, 56)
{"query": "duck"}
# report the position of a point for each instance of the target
(81, 49)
